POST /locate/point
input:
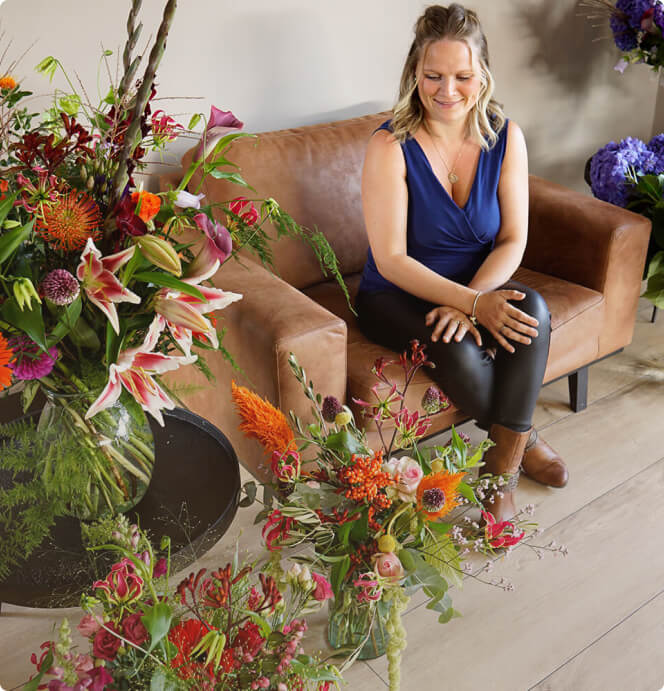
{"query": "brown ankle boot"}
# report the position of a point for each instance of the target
(504, 459)
(542, 464)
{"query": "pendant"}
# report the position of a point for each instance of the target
(453, 178)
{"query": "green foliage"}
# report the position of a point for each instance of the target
(440, 552)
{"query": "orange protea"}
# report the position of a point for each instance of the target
(437, 494)
(262, 421)
(148, 205)
(7, 82)
(70, 220)
(6, 355)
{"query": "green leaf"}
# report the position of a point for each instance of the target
(338, 573)
(84, 335)
(344, 442)
(66, 322)
(161, 682)
(34, 683)
(343, 533)
(655, 290)
(70, 104)
(30, 321)
(360, 530)
(232, 176)
(167, 281)
(195, 119)
(656, 265)
(262, 623)
(467, 492)
(440, 528)
(10, 241)
(250, 491)
(157, 620)
(439, 551)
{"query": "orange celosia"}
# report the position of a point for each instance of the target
(148, 205)
(437, 494)
(6, 355)
(7, 82)
(262, 421)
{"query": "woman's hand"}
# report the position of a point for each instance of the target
(503, 319)
(452, 323)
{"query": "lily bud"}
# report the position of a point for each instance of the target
(159, 252)
(25, 292)
(177, 311)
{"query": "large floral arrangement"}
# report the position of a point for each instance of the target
(637, 27)
(630, 174)
(105, 286)
(385, 523)
(236, 628)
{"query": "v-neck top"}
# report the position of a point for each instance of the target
(451, 240)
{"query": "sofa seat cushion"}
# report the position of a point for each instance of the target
(576, 319)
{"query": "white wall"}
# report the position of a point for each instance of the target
(282, 63)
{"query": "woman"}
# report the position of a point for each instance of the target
(445, 198)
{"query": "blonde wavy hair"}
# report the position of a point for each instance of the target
(486, 119)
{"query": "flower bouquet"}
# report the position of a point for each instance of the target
(105, 286)
(384, 523)
(235, 628)
(637, 27)
(630, 174)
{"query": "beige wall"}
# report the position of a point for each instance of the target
(282, 63)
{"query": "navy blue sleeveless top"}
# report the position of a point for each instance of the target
(450, 240)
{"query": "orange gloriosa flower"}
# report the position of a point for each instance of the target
(148, 205)
(6, 355)
(7, 82)
(262, 421)
(70, 220)
(437, 494)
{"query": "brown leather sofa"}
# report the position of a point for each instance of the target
(583, 255)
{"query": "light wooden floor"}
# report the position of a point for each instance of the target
(593, 620)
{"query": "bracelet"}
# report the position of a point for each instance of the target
(472, 316)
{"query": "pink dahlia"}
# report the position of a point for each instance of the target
(30, 361)
(60, 287)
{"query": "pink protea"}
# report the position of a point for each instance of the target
(60, 287)
(29, 360)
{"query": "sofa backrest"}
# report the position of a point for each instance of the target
(314, 173)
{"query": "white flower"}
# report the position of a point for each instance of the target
(186, 200)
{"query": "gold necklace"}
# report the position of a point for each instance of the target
(451, 175)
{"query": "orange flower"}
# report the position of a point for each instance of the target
(437, 494)
(148, 205)
(4, 186)
(7, 82)
(6, 355)
(70, 220)
(262, 421)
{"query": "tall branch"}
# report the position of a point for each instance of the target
(133, 33)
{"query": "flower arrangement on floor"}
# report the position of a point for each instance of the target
(235, 628)
(102, 290)
(630, 174)
(384, 525)
(637, 27)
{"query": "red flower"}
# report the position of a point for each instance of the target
(276, 530)
(248, 642)
(122, 585)
(133, 629)
(286, 465)
(106, 642)
(185, 636)
(239, 207)
(500, 534)
(126, 220)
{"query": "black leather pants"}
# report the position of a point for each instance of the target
(503, 390)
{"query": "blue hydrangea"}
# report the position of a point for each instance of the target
(658, 16)
(634, 9)
(656, 145)
(623, 34)
(610, 166)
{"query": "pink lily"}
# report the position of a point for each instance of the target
(220, 123)
(135, 370)
(216, 249)
(103, 289)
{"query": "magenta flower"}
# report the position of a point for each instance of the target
(89, 625)
(323, 589)
(502, 534)
(99, 283)
(122, 585)
(220, 123)
(164, 127)
(135, 370)
(370, 589)
(29, 360)
(216, 249)
(239, 207)
(276, 530)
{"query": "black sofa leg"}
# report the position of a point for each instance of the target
(654, 315)
(578, 389)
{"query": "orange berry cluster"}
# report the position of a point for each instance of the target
(364, 478)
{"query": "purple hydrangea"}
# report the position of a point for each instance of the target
(623, 34)
(656, 145)
(634, 9)
(658, 16)
(610, 166)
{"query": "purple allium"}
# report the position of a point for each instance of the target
(433, 499)
(30, 361)
(60, 287)
(331, 408)
(656, 145)
(610, 165)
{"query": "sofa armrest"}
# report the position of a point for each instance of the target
(272, 320)
(592, 243)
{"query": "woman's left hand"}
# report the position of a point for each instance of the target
(451, 323)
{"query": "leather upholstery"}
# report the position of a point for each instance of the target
(583, 255)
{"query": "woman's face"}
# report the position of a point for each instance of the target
(448, 80)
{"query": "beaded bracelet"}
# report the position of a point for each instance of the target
(472, 316)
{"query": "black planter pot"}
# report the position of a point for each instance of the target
(192, 498)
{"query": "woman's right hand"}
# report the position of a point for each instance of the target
(503, 320)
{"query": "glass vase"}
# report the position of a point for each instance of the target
(102, 465)
(353, 625)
